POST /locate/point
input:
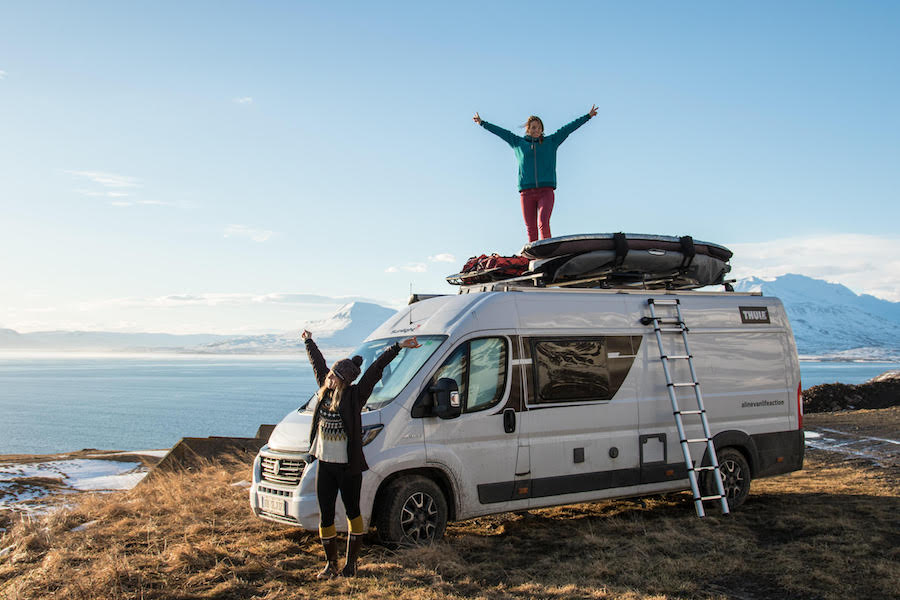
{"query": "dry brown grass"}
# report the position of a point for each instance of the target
(830, 531)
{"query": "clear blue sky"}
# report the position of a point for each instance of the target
(188, 166)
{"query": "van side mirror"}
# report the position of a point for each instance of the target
(446, 402)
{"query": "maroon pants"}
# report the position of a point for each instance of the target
(537, 204)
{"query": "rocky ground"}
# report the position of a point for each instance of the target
(880, 392)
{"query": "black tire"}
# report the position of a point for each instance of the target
(735, 477)
(412, 512)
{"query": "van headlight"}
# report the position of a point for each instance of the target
(369, 432)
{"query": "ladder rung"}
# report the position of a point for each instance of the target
(686, 384)
(705, 498)
(705, 468)
(663, 302)
(663, 320)
(691, 441)
(677, 356)
(671, 329)
(689, 412)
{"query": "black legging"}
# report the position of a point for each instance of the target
(330, 478)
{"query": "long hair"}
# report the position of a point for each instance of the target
(336, 394)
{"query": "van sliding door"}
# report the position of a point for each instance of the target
(581, 419)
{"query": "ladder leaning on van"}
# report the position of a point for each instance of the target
(674, 324)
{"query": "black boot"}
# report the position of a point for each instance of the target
(331, 557)
(354, 543)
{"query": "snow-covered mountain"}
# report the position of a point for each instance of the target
(347, 327)
(830, 320)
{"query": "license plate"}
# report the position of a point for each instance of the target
(273, 505)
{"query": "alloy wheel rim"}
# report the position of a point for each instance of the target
(732, 478)
(418, 517)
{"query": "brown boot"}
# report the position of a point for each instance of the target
(331, 557)
(354, 543)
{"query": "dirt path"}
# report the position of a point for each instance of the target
(871, 437)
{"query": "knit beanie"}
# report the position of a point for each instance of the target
(347, 368)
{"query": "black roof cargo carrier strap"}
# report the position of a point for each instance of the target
(688, 250)
(621, 245)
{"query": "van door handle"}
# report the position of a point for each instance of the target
(509, 420)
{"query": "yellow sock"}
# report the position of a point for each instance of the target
(327, 532)
(356, 525)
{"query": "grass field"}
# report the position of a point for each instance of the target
(829, 531)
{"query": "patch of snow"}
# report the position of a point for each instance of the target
(155, 453)
(19, 487)
(122, 481)
(861, 437)
(242, 483)
(880, 451)
(7, 550)
(84, 526)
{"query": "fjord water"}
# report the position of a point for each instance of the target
(65, 403)
(61, 403)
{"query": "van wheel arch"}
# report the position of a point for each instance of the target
(436, 475)
(741, 442)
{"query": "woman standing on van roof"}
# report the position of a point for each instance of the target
(335, 439)
(536, 154)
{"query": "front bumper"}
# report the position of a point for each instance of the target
(298, 505)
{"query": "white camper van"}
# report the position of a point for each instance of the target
(525, 397)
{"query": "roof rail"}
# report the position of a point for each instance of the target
(419, 297)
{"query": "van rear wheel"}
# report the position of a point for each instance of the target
(413, 512)
(735, 477)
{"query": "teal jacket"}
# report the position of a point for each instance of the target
(537, 158)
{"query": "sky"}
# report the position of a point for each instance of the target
(244, 167)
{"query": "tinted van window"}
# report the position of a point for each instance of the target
(571, 370)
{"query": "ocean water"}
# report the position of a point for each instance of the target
(60, 403)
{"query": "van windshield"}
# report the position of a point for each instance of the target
(400, 370)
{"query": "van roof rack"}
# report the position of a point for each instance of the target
(518, 285)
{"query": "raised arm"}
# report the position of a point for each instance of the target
(320, 368)
(373, 373)
(563, 132)
(507, 136)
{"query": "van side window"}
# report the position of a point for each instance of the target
(487, 373)
(571, 370)
(479, 369)
(455, 368)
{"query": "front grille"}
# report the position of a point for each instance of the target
(282, 470)
(273, 491)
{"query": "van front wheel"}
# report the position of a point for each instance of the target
(735, 477)
(413, 512)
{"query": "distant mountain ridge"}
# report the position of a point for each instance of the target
(101, 340)
(347, 327)
(828, 320)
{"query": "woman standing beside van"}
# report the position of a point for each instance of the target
(335, 440)
(536, 154)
